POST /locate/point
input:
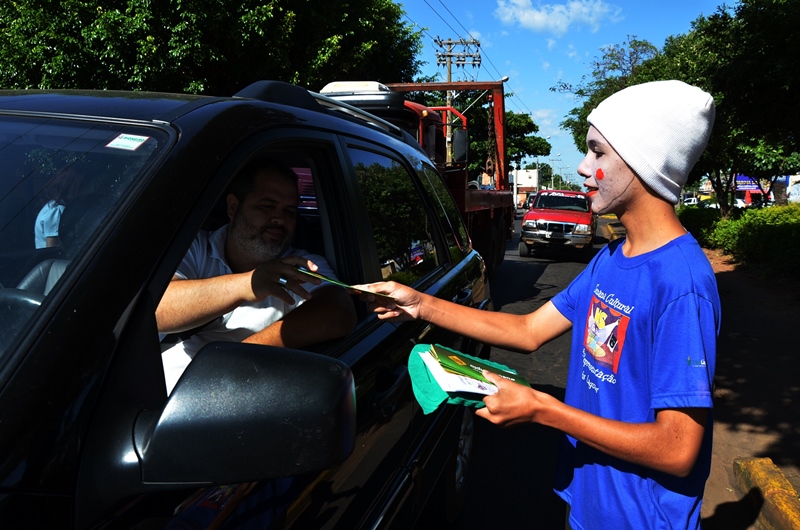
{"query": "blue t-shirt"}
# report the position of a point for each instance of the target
(644, 338)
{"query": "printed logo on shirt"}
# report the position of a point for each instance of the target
(606, 325)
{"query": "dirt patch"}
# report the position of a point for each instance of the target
(719, 261)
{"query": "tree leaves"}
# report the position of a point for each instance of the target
(745, 58)
(210, 46)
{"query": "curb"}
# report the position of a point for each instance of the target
(781, 507)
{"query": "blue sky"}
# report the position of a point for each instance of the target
(538, 44)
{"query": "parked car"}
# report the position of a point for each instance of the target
(690, 201)
(89, 437)
(712, 203)
(558, 219)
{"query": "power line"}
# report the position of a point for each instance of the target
(514, 96)
(441, 17)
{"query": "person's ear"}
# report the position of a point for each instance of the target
(232, 205)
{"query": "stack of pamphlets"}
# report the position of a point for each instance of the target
(458, 372)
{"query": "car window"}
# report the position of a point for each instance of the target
(560, 201)
(455, 232)
(59, 181)
(402, 231)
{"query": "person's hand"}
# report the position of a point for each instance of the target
(399, 303)
(512, 404)
(279, 276)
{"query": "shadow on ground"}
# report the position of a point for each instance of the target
(739, 515)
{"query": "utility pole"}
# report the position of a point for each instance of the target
(449, 57)
(553, 170)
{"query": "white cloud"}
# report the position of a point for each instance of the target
(545, 119)
(551, 43)
(572, 52)
(545, 65)
(478, 36)
(556, 18)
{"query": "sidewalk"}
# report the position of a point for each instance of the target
(755, 473)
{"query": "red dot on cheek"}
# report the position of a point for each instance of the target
(599, 175)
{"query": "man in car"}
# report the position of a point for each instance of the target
(240, 282)
(644, 316)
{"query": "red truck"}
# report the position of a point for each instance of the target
(558, 219)
(488, 210)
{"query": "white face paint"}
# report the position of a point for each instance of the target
(608, 177)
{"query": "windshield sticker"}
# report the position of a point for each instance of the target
(129, 142)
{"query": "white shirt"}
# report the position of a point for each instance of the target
(206, 259)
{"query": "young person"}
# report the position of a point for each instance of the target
(644, 316)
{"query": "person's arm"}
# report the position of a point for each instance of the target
(187, 304)
(329, 314)
(524, 333)
(670, 444)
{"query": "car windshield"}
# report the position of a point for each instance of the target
(59, 180)
(562, 201)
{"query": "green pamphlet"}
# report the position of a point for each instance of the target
(457, 372)
(340, 284)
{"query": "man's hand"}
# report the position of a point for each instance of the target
(276, 277)
(400, 303)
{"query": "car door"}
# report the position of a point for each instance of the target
(415, 242)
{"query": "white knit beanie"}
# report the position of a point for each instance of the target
(660, 129)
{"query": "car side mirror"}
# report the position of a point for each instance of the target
(460, 146)
(244, 412)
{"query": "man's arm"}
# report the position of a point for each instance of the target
(187, 304)
(329, 314)
(524, 333)
(670, 444)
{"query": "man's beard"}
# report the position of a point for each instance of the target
(248, 238)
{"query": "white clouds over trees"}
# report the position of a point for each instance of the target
(556, 18)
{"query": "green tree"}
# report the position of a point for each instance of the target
(210, 46)
(616, 69)
(745, 59)
(762, 79)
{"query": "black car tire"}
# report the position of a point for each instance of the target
(524, 250)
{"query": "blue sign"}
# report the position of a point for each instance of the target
(743, 182)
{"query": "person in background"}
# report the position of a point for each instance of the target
(241, 283)
(62, 189)
(644, 316)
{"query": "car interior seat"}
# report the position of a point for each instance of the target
(43, 276)
(78, 222)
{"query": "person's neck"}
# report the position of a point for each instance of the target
(649, 225)
(237, 261)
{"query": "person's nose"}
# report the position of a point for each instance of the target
(585, 167)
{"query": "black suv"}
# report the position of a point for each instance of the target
(89, 437)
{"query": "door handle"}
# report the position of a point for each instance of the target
(463, 296)
(391, 386)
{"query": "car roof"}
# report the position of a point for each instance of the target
(168, 107)
(146, 106)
